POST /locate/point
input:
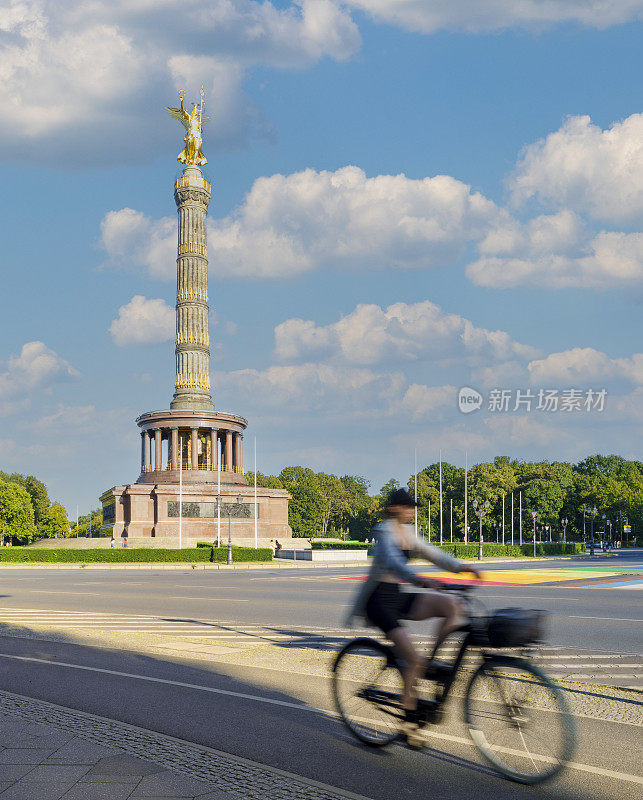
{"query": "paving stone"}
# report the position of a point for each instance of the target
(120, 766)
(98, 791)
(24, 755)
(168, 784)
(80, 751)
(39, 790)
(55, 773)
(13, 772)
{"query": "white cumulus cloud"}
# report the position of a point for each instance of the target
(143, 321)
(585, 365)
(88, 81)
(403, 331)
(580, 166)
(309, 220)
(36, 367)
(428, 16)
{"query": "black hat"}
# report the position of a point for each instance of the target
(401, 497)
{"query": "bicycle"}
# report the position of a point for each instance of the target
(509, 702)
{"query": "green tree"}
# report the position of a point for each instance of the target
(334, 499)
(16, 511)
(37, 493)
(305, 508)
(266, 481)
(56, 522)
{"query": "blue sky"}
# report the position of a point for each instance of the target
(408, 197)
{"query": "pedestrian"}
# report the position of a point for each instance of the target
(112, 542)
(272, 547)
(277, 546)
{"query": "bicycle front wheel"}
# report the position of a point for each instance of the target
(519, 720)
(367, 687)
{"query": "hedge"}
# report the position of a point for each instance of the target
(132, 555)
(491, 549)
(348, 545)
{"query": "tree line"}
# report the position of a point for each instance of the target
(26, 511)
(324, 504)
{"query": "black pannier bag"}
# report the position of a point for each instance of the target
(515, 627)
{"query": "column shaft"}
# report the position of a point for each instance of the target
(158, 450)
(214, 439)
(195, 448)
(147, 458)
(228, 451)
(175, 448)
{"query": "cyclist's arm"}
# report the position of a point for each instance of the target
(392, 559)
(440, 558)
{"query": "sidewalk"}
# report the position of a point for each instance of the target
(48, 752)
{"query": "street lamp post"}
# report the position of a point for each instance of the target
(239, 501)
(564, 522)
(481, 509)
(592, 513)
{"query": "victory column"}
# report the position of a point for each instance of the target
(192, 444)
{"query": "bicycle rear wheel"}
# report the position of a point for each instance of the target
(367, 687)
(519, 720)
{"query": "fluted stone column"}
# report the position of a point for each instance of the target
(194, 441)
(192, 384)
(175, 448)
(214, 442)
(158, 450)
(147, 458)
(228, 451)
(238, 458)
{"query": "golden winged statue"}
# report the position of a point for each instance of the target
(193, 123)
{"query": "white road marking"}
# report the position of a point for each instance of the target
(607, 619)
(607, 773)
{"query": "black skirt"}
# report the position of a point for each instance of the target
(387, 605)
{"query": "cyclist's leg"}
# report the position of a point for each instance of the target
(415, 665)
(434, 604)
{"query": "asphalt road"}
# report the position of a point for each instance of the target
(270, 701)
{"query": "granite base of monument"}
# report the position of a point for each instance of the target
(150, 513)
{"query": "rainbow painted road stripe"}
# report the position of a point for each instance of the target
(583, 577)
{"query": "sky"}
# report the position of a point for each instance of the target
(424, 234)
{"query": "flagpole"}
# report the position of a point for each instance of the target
(451, 522)
(440, 497)
(256, 545)
(416, 491)
(180, 492)
(466, 467)
(520, 520)
(503, 519)
(512, 518)
(219, 495)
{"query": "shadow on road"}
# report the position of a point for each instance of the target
(201, 703)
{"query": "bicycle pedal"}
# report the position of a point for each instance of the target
(427, 711)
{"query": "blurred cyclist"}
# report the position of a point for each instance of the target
(383, 603)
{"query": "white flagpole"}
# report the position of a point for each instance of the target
(451, 523)
(429, 520)
(520, 520)
(466, 466)
(503, 519)
(416, 492)
(180, 492)
(512, 518)
(219, 496)
(440, 497)
(256, 545)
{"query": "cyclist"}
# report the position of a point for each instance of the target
(383, 603)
